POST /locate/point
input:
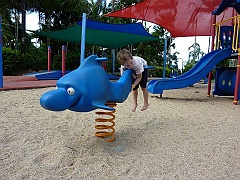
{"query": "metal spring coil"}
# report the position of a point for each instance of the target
(106, 130)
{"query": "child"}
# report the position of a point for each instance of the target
(136, 63)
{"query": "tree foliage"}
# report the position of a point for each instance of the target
(195, 53)
(60, 14)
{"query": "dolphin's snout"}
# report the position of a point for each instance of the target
(55, 100)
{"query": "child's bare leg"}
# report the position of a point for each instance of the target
(135, 95)
(145, 99)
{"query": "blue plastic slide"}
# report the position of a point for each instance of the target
(198, 71)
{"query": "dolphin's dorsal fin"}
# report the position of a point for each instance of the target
(101, 106)
(91, 60)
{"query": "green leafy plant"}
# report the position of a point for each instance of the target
(12, 61)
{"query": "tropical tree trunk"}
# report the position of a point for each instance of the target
(113, 3)
(23, 9)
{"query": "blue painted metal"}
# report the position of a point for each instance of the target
(113, 60)
(50, 75)
(87, 88)
(226, 4)
(1, 61)
(83, 37)
(199, 71)
(165, 57)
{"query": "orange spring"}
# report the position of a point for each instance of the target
(106, 130)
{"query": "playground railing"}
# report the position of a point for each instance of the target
(228, 36)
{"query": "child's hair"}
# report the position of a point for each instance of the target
(123, 56)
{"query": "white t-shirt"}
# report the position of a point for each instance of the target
(138, 64)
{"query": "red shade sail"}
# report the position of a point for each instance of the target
(180, 17)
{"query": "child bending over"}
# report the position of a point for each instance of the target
(136, 63)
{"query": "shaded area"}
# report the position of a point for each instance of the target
(102, 34)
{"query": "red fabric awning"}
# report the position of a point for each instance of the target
(180, 17)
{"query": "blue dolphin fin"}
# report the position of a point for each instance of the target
(103, 106)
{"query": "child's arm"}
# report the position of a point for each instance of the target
(122, 69)
(139, 77)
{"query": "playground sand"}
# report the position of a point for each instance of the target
(184, 135)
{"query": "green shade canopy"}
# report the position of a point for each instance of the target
(102, 34)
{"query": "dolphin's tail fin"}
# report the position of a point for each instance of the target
(122, 87)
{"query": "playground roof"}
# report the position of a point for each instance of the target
(180, 17)
(103, 34)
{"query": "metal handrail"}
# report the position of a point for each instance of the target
(235, 37)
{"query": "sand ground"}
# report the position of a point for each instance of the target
(184, 135)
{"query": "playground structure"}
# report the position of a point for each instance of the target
(199, 71)
(226, 80)
(226, 46)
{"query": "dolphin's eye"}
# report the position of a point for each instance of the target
(70, 91)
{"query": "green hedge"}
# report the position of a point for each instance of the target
(12, 61)
(157, 71)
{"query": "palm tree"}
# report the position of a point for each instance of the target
(195, 53)
(113, 3)
(96, 9)
(17, 6)
(7, 33)
(23, 11)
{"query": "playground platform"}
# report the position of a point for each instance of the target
(25, 82)
(28, 82)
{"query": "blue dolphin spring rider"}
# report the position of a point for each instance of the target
(88, 88)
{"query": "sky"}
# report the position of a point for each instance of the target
(182, 43)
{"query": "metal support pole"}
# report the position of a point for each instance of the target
(212, 48)
(1, 61)
(83, 37)
(165, 57)
(236, 91)
(113, 60)
(49, 58)
(63, 60)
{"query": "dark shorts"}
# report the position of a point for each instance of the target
(143, 82)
